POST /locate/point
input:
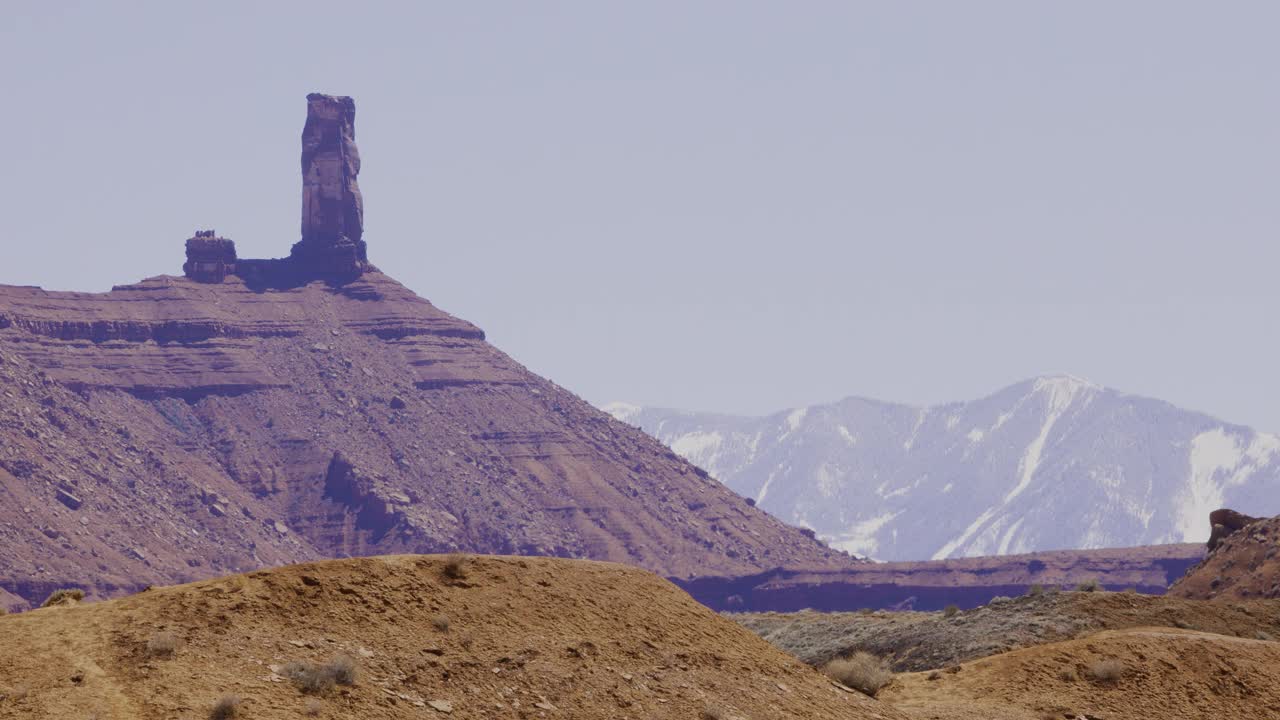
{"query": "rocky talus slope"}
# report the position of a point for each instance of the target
(175, 429)
(489, 638)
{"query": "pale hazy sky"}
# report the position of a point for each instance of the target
(734, 206)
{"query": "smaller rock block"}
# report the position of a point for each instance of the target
(210, 259)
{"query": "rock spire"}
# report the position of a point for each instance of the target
(332, 209)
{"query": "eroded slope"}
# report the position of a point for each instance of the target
(502, 638)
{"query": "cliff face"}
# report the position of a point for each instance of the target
(257, 412)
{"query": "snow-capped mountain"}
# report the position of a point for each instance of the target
(1050, 463)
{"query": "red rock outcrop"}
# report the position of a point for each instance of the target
(272, 411)
(1244, 561)
(1223, 522)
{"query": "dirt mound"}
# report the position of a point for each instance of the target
(914, 641)
(493, 638)
(1245, 563)
(1136, 674)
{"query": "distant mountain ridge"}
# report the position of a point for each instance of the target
(1049, 463)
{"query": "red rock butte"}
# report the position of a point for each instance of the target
(261, 412)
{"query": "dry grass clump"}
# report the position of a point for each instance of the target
(61, 596)
(315, 678)
(1090, 585)
(455, 567)
(162, 644)
(861, 671)
(1106, 671)
(1035, 590)
(950, 611)
(441, 623)
(227, 707)
(313, 707)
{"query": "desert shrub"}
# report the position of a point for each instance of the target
(1067, 675)
(343, 669)
(58, 597)
(950, 611)
(1106, 671)
(1035, 590)
(308, 677)
(315, 678)
(455, 567)
(1090, 585)
(861, 671)
(466, 641)
(227, 707)
(313, 707)
(999, 600)
(441, 623)
(162, 644)
(1263, 635)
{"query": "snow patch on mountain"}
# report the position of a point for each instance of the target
(1053, 462)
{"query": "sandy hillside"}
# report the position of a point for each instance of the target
(511, 638)
(1158, 673)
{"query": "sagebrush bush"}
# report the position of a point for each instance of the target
(313, 707)
(57, 597)
(455, 567)
(227, 707)
(315, 678)
(861, 671)
(950, 611)
(1090, 585)
(343, 669)
(162, 644)
(441, 623)
(1106, 671)
(1035, 590)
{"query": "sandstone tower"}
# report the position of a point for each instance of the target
(332, 209)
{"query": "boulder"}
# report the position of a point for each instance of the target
(1224, 522)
